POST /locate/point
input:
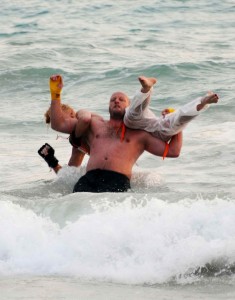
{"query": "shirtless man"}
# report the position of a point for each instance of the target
(114, 149)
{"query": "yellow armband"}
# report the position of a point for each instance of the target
(56, 85)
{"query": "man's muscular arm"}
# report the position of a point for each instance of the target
(157, 147)
(175, 145)
(58, 121)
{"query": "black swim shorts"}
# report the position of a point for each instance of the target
(100, 181)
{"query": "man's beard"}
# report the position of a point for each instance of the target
(116, 115)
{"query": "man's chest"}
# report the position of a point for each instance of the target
(103, 130)
(119, 137)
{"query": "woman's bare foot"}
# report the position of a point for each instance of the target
(147, 83)
(208, 99)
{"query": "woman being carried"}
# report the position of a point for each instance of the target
(139, 116)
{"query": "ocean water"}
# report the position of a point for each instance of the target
(173, 235)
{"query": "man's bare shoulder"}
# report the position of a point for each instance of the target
(142, 136)
(96, 121)
(137, 132)
(96, 117)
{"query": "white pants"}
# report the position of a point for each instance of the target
(139, 116)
